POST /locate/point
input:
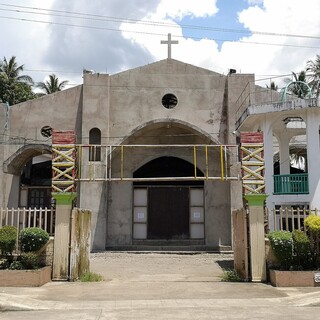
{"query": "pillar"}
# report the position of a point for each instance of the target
(268, 161)
(257, 236)
(62, 235)
(284, 154)
(313, 151)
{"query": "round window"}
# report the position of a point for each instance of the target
(46, 131)
(169, 101)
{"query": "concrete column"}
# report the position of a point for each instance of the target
(257, 236)
(284, 154)
(268, 162)
(62, 235)
(313, 150)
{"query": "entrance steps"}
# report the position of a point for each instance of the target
(188, 246)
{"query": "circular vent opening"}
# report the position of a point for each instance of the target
(169, 101)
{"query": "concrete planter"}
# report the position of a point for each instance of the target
(25, 278)
(294, 278)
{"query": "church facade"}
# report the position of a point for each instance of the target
(164, 167)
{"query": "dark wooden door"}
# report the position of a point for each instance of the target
(168, 213)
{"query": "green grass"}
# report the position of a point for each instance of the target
(230, 275)
(91, 277)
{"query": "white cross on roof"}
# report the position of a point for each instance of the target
(169, 42)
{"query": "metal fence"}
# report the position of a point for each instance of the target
(27, 217)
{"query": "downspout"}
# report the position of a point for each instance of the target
(7, 123)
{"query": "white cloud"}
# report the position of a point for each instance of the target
(178, 9)
(53, 47)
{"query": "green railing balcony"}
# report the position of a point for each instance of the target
(291, 184)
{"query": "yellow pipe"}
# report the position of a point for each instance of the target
(90, 170)
(195, 161)
(80, 161)
(207, 163)
(221, 163)
(121, 172)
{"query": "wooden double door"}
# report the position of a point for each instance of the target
(168, 212)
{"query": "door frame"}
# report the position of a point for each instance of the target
(142, 224)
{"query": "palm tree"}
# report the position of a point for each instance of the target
(298, 85)
(314, 68)
(52, 85)
(273, 86)
(14, 88)
(11, 71)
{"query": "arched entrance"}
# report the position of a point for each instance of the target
(31, 167)
(171, 210)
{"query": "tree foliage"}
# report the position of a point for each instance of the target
(14, 87)
(52, 85)
(313, 66)
(297, 86)
(273, 86)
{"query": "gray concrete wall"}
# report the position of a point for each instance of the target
(58, 110)
(95, 113)
(119, 226)
(136, 95)
(217, 214)
(94, 196)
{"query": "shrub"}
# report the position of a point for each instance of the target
(30, 260)
(32, 239)
(8, 238)
(4, 264)
(282, 247)
(302, 250)
(312, 223)
(91, 277)
(16, 265)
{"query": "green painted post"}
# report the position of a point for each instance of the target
(257, 236)
(60, 270)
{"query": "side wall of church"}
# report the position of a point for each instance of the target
(59, 111)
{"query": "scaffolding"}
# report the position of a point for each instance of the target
(118, 162)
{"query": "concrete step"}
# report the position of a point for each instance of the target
(167, 249)
(170, 242)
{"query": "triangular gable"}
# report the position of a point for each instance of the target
(169, 66)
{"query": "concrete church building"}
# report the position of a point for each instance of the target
(173, 181)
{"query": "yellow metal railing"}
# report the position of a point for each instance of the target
(212, 160)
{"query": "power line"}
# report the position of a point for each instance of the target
(149, 22)
(154, 24)
(159, 34)
(50, 71)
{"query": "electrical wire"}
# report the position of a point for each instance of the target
(177, 36)
(52, 12)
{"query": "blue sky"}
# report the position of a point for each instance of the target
(226, 18)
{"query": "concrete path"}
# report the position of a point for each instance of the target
(159, 286)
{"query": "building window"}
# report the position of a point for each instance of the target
(39, 198)
(95, 142)
(169, 101)
(46, 131)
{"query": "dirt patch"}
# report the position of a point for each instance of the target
(160, 266)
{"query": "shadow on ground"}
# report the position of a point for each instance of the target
(226, 264)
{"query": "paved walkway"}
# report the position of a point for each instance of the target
(159, 286)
